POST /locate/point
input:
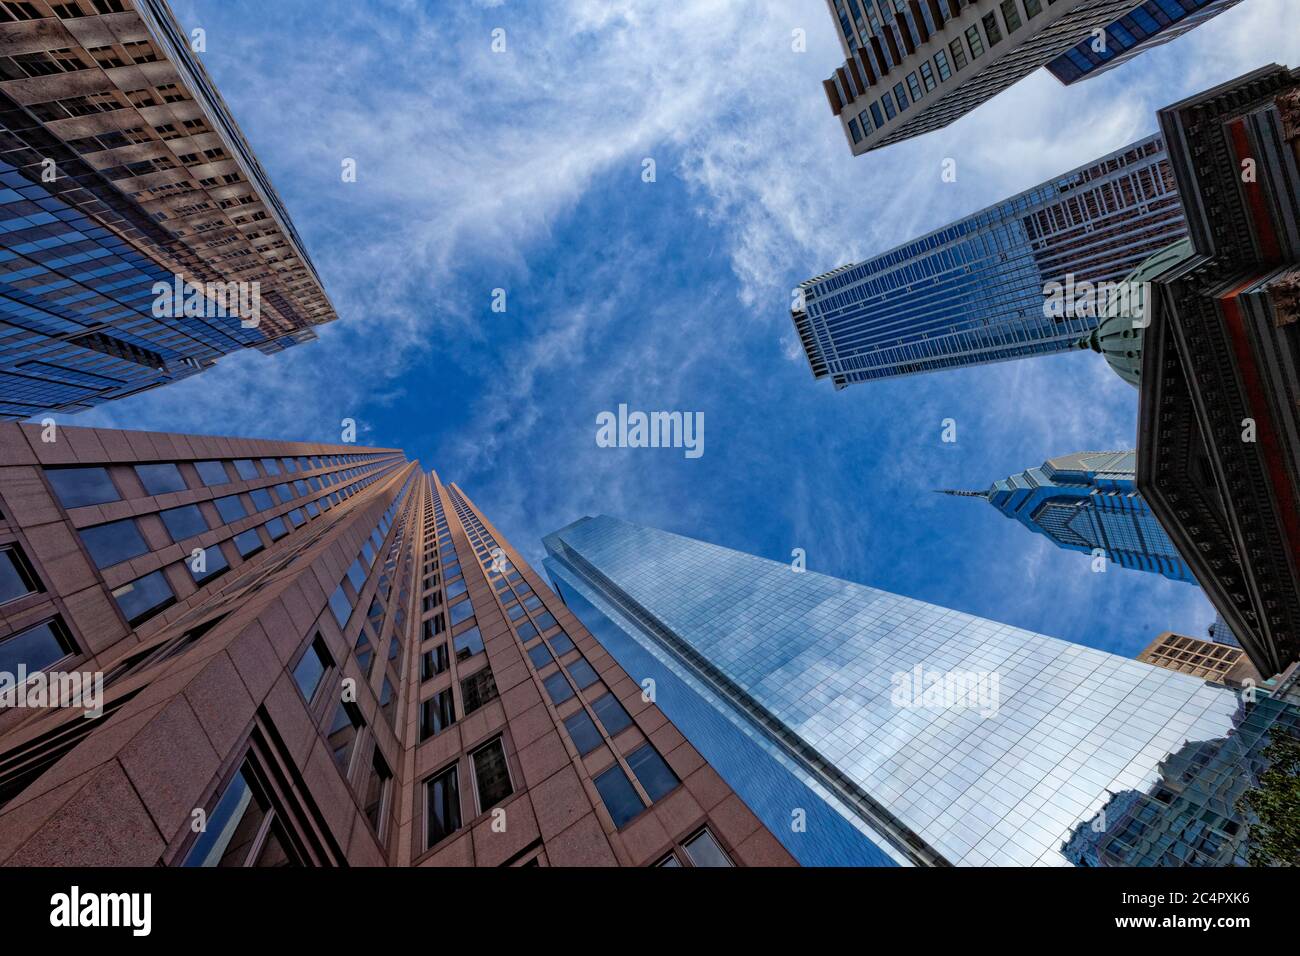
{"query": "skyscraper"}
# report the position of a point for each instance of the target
(142, 240)
(1219, 422)
(941, 737)
(975, 291)
(308, 654)
(1089, 502)
(913, 66)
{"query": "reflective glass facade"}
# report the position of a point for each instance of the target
(1152, 23)
(121, 168)
(974, 291)
(1089, 502)
(827, 676)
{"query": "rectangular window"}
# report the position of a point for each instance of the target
(113, 543)
(704, 850)
(958, 54)
(144, 597)
(442, 806)
(468, 643)
(900, 94)
(434, 662)
(582, 729)
(914, 86)
(247, 469)
(80, 487)
(276, 529)
(375, 797)
(160, 479)
(477, 689)
(183, 522)
(213, 473)
(654, 775)
(491, 775)
(17, 579)
(619, 796)
(976, 43)
(888, 102)
(261, 499)
(855, 131)
(36, 648)
(248, 543)
(927, 76)
(1011, 15)
(437, 713)
(991, 29)
(540, 655)
(231, 509)
(558, 688)
(245, 829)
(207, 565)
(1034, 7)
(583, 674)
(312, 667)
(343, 735)
(611, 714)
(876, 115)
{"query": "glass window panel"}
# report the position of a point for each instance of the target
(491, 775)
(113, 543)
(160, 479)
(653, 773)
(619, 796)
(144, 597)
(184, 522)
(35, 648)
(79, 487)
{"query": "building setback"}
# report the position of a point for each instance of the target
(940, 737)
(327, 656)
(1219, 420)
(975, 291)
(1089, 502)
(913, 66)
(121, 168)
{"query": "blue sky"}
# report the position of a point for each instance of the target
(522, 170)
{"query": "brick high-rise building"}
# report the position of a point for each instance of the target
(913, 66)
(312, 655)
(123, 174)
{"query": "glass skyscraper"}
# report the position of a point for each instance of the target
(974, 291)
(940, 737)
(1089, 502)
(122, 173)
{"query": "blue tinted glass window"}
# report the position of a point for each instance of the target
(468, 643)
(611, 714)
(261, 499)
(160, 479)
(583, 673)
(586, 737)
(652, 772)
(341, 606)
(113, 543)
(249, 542)
(619, 796)
(461, 612)
(144, 597)
(558, 688)
(207, 566)
(212, 472)
(78, 487)
(246, 469)
(184, 522)
(231, 508)
(35, 648)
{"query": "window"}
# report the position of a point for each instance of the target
(212, 472)
(491, 775)
(144, 597)
(456, 587)
(611, 714)
(312, 667)
(900, 94)
(1011, 15)
(244, 829)
(230, 508)
(958, 53)
(561, 643)
(619, 796)
(703, 850)
(113, 543)
(583, 673)
(976, 44)
(160, 479)
(477, 690)
(927, 77)
(276, 529)
(79, 487)
(270, 467)
(36, 648)
(1033, 8)
(941, 61)
(527, 631)
(855, 131)
(183, 522)
(341, 606)
(914, 86)
(248, 543)
(468, 643)
(991, 30)
(545, 621)
(582, 729)
(442, 806)
(17, 579)
(376, 792)
(461, 612)
(246, 469)
(434, 626)
(558, 688)
(437, 713)
(540, 655)
(261, 499)
(343, 734)
(654, 775)
(210, 563)
(888, 102)
(434, 662)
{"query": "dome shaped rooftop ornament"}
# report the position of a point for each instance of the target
(1122, 317)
